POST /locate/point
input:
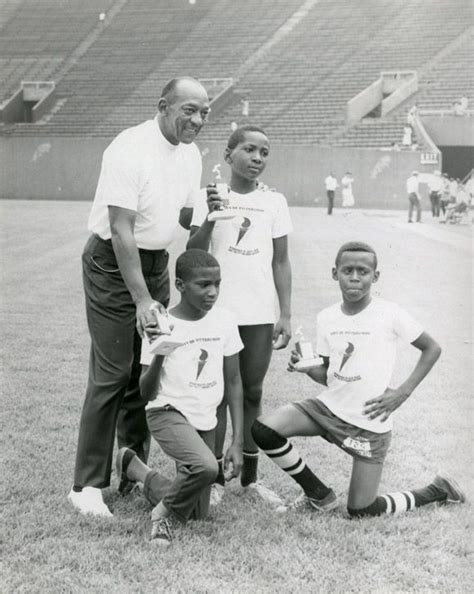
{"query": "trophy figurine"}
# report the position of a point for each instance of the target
(223, 190)
(305, 349)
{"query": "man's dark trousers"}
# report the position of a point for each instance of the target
(112, 397)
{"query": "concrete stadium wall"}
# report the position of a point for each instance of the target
(60, 168)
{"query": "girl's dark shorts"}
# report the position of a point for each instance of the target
(364, 445)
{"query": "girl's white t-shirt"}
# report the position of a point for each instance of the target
(362, 353)
(192, 376)
(243, 247)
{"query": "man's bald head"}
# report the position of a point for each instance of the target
(181, 83)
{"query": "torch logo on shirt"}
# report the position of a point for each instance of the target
(347, 354)
(201, 362)
(244, 227)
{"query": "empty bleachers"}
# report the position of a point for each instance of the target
(298, 88)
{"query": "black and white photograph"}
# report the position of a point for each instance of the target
(236, 296)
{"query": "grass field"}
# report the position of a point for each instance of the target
(244, 547)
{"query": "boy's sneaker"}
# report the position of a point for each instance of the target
(124, 455)
(89, 501)
(454, 493)
(264, 493)
(162, 531)
(327, 503)
(217, 494)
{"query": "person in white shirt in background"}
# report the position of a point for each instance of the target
(435, 185)
(347, 194)
(331, 184)
(414, 201)
(144, 193)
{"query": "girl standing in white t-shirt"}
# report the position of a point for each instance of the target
(252, 250)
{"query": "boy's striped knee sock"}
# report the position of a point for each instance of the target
(286, 456)
(399, 502)
(249, 468)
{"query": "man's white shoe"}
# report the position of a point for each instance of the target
(89, 501)
(265, 493)
(217, 493)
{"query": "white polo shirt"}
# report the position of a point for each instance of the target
(143, 172)
(192, 376)
(412, 184)
(362, 351)
(243, 247)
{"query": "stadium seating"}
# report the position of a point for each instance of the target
(297, 62)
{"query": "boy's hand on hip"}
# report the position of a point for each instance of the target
(233, 462)
(383, 406)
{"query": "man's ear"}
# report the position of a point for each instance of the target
(163, 106)
(178, 283)
(376, 276)
(334, 274)
(227, 157)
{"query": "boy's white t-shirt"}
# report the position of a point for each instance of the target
(362, 352)
(192, 376)
(143, 172)
(243, 247)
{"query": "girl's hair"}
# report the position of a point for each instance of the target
(238, 135)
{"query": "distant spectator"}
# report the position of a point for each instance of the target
(445, 195)
(407, 136)
(234, 126)
(395, 147)
(435, 185)
(331, 185)
(411, 115)
(245, 108)
(414, 201)
(453, 189)
(347, 195)
(458, 207)
(458, 109)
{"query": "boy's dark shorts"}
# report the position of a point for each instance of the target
(364, 445)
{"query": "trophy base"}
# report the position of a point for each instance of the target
(220, 215)
(164, 345)
(306, 364)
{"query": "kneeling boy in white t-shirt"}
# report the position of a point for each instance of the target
(357, 342)
(183, 390)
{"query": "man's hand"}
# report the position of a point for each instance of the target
(233, 462)
(281, 334)
(214, 201)
(146, 319)
(383, 406)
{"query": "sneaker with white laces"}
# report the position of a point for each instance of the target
(454, 493)
(327, 503)
(89, 501)
(217, 494)
(264, 493)
(161, 531)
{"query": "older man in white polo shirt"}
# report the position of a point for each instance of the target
(148, 175)
(435, 186)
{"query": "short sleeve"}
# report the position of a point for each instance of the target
(119, 180)
(233, 343)
(200, 208)
(195, 179)
(322, 344)
(282, 221)
(406, 327)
